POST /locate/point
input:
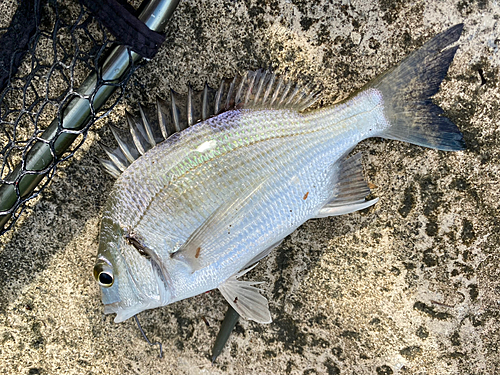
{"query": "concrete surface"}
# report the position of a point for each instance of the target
(411, 286)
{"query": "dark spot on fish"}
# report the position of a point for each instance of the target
(305, 195)
(235, 299)
(197, 252)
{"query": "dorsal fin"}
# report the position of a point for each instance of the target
(253, 90)
(262, 89)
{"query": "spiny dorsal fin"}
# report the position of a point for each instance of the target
(253, 90)
(264, 90)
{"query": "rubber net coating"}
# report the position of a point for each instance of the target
(66, 46)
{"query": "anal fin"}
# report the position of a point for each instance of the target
(350, 189)
(246, 299)
(334, 210)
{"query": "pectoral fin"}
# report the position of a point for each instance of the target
(194, 251)
(246, 298)
(350, 189)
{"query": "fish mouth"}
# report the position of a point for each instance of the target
(111, 308)
(123, 314)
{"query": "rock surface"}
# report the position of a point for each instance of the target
(410, 286)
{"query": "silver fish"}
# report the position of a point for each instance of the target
(195, 211)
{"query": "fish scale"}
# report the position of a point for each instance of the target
(197, 209)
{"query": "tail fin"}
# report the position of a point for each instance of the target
(407, 90)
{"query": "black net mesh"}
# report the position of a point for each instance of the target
(66, 46)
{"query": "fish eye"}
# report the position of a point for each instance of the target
(105, 279)
(103, 273)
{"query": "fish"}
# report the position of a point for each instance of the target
(198, 206)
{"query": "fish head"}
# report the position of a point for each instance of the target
(129, 282)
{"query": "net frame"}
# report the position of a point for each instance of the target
(81, 52)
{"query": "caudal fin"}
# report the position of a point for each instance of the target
(407, 90)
